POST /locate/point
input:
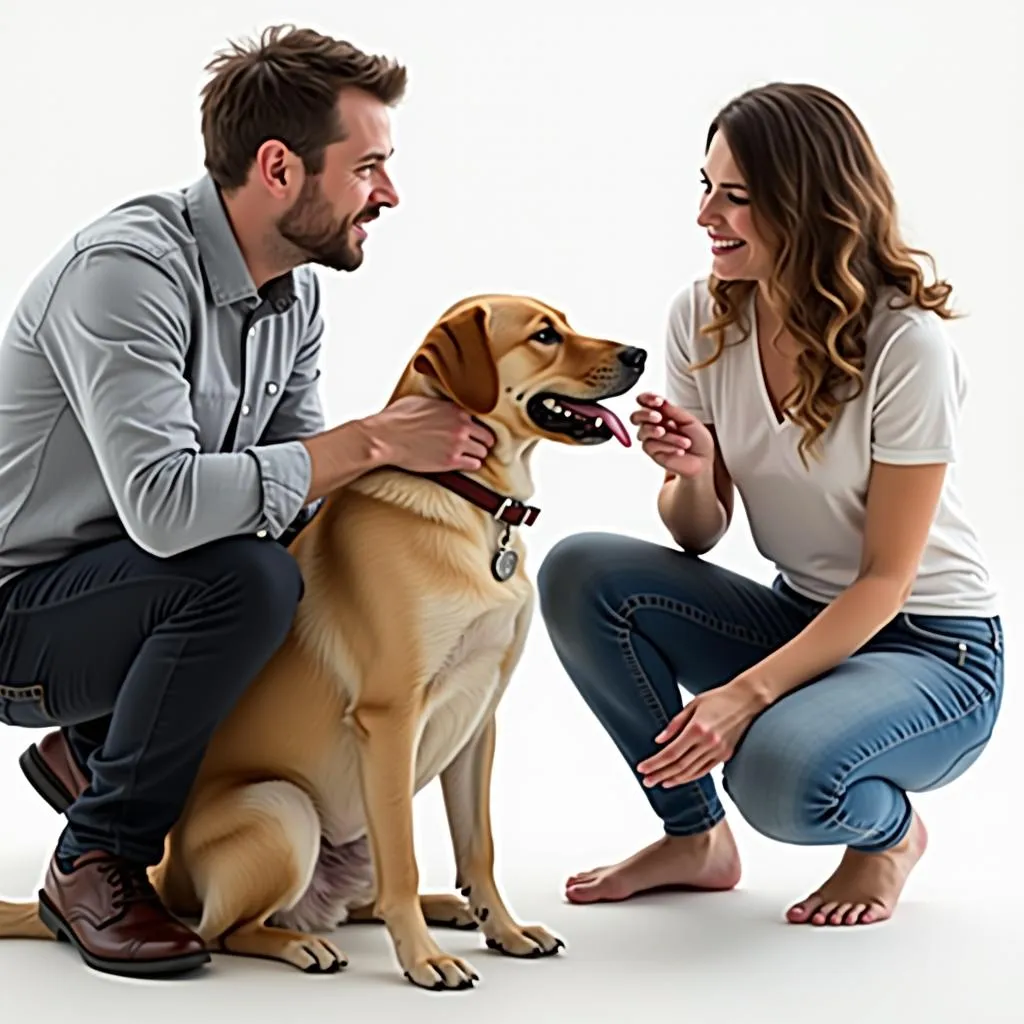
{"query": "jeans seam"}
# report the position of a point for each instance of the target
(118, 821)
(699, 616)
(647, 692)
(978, 704)
(94, 591)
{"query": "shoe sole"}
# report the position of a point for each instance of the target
(163, 968)
(44, 781)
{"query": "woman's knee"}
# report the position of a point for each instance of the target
(575, 580)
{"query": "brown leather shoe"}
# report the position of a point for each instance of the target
(51, 768)
(108, 909)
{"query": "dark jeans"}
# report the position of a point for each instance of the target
(139, 659)
(832, 761)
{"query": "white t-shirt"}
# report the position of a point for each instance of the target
(809, 521)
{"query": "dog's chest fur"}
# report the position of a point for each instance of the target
(465, 651)
(468, 651)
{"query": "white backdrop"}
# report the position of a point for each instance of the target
(554, 148)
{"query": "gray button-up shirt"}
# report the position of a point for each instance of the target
(148, 389)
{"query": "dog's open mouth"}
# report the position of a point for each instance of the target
(585, 422)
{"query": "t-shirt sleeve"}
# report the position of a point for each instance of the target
(680, 379)
(919, 396)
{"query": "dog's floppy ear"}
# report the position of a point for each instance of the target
(457, 353)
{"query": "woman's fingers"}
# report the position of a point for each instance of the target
(656, 403)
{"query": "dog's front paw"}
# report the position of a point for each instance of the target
(529, 942)
(442, 973)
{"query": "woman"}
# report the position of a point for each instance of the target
(810, 372)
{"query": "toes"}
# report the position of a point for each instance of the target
(874, 912)
(597, 888)
(821, 915)
(802, 911)
(839, 915)
(325, 957)
(549, 944)
(527, 943)
(443, 974)
(856, 913)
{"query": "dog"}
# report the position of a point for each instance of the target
(415, 614)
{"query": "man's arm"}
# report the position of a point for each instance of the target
(116, 334)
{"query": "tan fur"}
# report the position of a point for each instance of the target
(399, 655)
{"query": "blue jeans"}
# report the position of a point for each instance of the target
(830, 762)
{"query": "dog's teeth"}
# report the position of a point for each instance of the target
(567, 413)
(598, 421)
(548, 403)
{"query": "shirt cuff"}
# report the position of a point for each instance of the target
(285, 474)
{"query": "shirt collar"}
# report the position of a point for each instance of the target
(219, 252)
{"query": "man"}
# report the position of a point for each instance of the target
(160, 434)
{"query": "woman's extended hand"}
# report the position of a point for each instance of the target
(676, 440)
(704, 734)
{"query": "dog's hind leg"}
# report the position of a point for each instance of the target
(251, 852)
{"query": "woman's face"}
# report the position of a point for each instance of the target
(738, 252)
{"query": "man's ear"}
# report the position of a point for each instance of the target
(457, 354)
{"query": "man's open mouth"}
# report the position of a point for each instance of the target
(585, 422)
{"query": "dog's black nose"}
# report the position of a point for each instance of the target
(634, 358)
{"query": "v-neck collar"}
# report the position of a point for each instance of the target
(762, 381)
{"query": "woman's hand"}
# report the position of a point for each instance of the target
(672, 437)
(704, 734)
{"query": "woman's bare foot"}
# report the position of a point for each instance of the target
(709, 861)
(866, 886)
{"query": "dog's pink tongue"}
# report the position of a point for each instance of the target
(593, 411)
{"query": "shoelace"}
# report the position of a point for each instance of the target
(130, 885)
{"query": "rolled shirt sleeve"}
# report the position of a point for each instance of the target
(117, 344)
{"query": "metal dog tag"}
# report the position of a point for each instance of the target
(503, 564)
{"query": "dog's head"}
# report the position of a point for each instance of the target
(516, 363)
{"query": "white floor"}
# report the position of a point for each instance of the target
(562, 802)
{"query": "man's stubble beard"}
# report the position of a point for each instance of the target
(309, 233)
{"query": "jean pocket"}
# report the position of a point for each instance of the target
(972, 645)
(25, 706)
(960, 635)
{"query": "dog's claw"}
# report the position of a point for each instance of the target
(317, 967)
(541, 944)
(451, 975)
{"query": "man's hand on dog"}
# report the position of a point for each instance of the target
(430, 435)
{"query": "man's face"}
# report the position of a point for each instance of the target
(327, 222)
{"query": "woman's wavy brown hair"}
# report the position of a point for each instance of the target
(820, 196)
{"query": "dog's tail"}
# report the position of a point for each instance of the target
(21, 921)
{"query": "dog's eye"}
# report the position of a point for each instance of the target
(546, 336)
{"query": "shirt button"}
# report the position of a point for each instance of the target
(252, 332)
(271, 388)
(261, 534)
(245, 409)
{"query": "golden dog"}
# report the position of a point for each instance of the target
(415, 614)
